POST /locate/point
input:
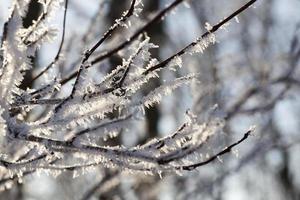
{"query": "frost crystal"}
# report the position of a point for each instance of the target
(177, 61)
(202, 44)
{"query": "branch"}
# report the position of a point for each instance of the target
(88, 194)
(90, 51)
(214, 157)
(203, 36)
(110, 31)
(158, 17)
(60, 46)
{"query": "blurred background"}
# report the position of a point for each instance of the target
(250, 77)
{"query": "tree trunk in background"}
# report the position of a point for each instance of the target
(156, 34)
(152, 114)
(34, 11)
(157, 37)
(116, 10)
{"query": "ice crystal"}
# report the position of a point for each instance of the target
(202, 44)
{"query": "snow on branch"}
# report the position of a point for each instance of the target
(70, 133)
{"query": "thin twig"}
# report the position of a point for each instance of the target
(60, 45)
(214, 157)
(212, 30)
(158, 17)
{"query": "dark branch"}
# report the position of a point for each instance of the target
(214, 157)
(60, 45)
